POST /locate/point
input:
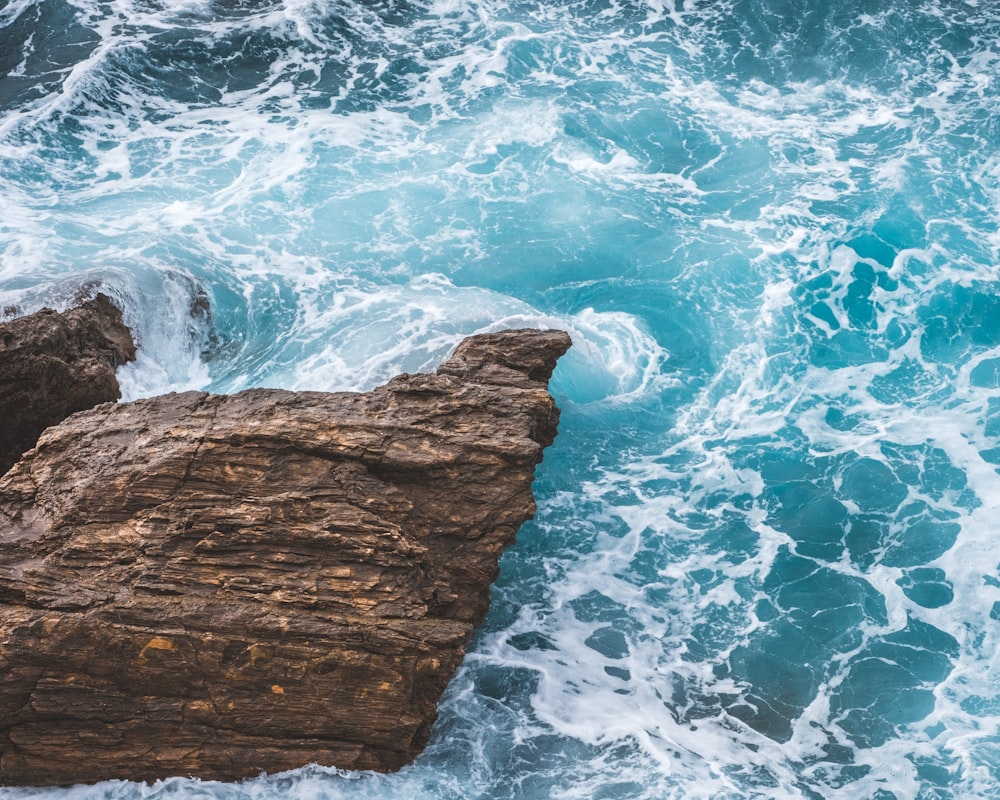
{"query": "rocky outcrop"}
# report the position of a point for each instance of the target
(223, 585)
(52, 365)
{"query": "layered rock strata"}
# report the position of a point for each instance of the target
(223, 585)
(52, 365)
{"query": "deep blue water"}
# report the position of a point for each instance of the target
(765, 563)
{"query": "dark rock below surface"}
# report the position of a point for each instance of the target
(218, 586)
(52, 365)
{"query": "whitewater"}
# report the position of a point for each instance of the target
(765, 563)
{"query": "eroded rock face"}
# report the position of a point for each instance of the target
(52, 365)
(224, 585)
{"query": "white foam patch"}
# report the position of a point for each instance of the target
(613, 360)
(169, 345)
(360, 335)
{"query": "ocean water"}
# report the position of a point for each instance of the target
(765, 563)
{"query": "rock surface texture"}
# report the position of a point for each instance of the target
(223, 585)
(52, 365)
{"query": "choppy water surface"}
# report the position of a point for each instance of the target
(765, 563)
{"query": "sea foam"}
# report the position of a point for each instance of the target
(763, 564)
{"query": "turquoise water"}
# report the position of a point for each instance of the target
(764, 563)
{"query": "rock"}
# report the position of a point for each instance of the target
(52, 365)
(223, 585)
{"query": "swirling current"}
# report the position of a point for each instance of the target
(765, 562)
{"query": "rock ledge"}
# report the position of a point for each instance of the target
(218, 586)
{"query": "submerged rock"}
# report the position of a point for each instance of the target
(52, 365)
(223, 585)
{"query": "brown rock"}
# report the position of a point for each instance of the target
(52, 365)
(223, 585)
